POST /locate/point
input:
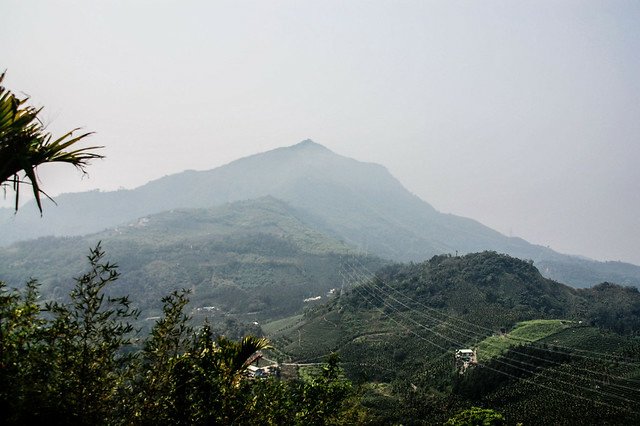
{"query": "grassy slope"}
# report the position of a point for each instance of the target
(524, 332)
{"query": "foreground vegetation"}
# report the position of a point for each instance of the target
(25, 145)
(82, 362)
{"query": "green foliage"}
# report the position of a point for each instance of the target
(205, 384)
(171, 332)
(475, 416)
(326, 392)
(25, 145)
(21, 351)
(492, 302)
(90, 338)
(70, 365)
(168, 339)
(79, 362)
(199, 385)
(613, 307)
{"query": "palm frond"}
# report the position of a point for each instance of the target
(25, 145)
(237, 355)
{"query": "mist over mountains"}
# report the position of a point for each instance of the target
(360, 204)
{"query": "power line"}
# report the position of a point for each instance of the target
(604, 357)
(601, 393)
(466, 334)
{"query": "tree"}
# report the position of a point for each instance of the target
(69, 363)
(25, 145)
(90, 341)
(81, 362)
(191, 378)
(169, 339)
(328, 398)
(22, 353)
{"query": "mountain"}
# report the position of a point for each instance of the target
(359, 203)
(249, 260)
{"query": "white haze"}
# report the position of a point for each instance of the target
(524, 115)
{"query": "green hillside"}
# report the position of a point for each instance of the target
(548, 353)
(253, 260)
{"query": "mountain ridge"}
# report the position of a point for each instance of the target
(360, 203)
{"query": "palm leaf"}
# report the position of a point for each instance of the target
(237, 356)
(25, 145)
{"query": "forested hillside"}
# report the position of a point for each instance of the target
(252, 260)
(211, 273)
(79, 356)
(261, 266)
(547, 353)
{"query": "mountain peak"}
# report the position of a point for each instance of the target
(309, 144)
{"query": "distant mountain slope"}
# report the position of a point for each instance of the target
(253, 259)
(359, 203)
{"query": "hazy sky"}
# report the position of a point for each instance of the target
(524, 115)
